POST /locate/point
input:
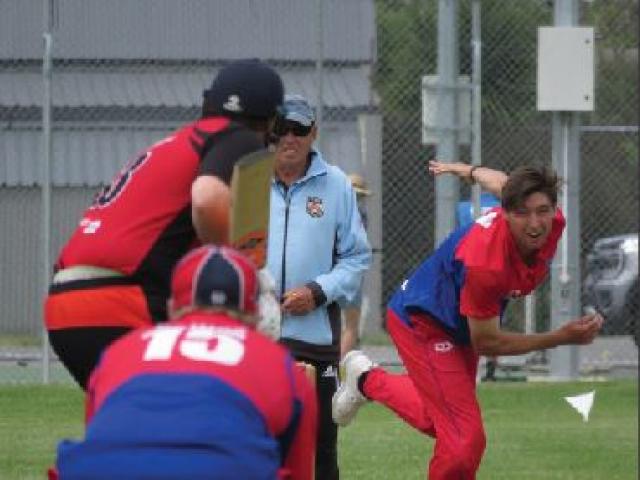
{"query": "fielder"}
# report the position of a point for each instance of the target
(203, 396)
(448, 312)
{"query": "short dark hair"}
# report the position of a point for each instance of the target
(526, 180)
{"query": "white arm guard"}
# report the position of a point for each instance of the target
(268, 306)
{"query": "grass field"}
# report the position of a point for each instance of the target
(532, 434)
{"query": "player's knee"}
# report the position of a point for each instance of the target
(473, 450)
(465, 456)
(476, 446)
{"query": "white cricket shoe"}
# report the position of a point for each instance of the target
(348, 399)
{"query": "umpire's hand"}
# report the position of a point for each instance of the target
(298, 301)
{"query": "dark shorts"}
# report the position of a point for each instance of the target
(79, 349)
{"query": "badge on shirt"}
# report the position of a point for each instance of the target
(314, 207)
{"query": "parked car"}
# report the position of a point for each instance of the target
(611, 284)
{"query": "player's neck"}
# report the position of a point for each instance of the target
(289, 172)
(529, 257)
(289, 175)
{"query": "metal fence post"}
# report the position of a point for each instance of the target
(447, 186)
(565, 270)
(370, 127)
(46, 174)
(319, 69)
(476, 100)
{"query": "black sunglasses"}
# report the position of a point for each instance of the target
(283, 127)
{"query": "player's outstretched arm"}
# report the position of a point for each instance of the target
(489, 179)
(488, 339)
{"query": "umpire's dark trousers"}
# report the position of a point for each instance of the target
(327, 440)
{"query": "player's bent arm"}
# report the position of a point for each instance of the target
(300, 461)
(210, 207)
(489, 179)
(488, 339)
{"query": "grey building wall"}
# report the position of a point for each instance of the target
(164, 29)
(151, 86)
(128, 72)
(20, 250)
(92, 156)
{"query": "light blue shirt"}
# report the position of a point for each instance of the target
(316, 234)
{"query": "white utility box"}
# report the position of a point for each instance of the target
(565, 69)
(431, 128)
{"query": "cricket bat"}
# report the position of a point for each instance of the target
(250, 194)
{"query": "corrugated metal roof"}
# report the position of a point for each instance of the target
(92, 156)
(190, 29)
(347, 87)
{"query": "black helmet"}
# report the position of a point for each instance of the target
(244, 88)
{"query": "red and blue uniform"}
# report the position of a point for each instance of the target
(473, 273)
(203, 397)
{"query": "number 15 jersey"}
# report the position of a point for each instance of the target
(202, 397)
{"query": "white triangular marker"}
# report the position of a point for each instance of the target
(582, 403)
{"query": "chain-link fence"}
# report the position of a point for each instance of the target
(514, 133)
(125, 73)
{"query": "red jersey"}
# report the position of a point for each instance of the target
(474, 273)
(200, 397)
(140, 225)
(495, 270)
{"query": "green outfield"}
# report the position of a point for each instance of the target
(532, 434)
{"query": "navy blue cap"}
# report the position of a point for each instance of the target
(245, 88)
(215, 276)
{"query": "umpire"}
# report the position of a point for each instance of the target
(317, 253)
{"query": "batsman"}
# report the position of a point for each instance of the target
(113, 274)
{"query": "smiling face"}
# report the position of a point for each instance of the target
(293, 148)
(530, 223)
